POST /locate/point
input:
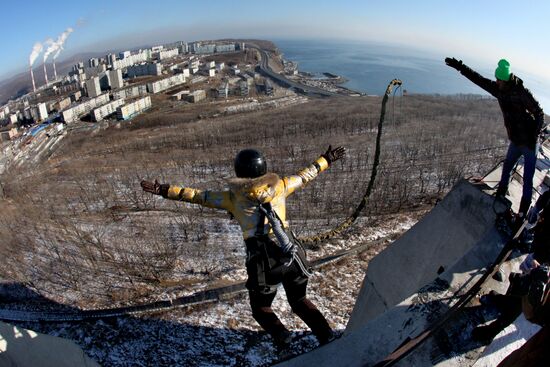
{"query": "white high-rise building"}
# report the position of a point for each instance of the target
(39, 112)
(93, 62)
(111, 59)
(115, 78)
(93, 87)
(144, 69)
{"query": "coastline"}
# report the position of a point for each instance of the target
(328, 81)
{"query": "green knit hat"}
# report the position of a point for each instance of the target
(502, 72)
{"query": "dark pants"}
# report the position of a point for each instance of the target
(530, 160)
(510, 309)
(266, 270)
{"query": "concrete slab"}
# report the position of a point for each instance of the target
(493, 178)
(371, 342)
(453, 346)
(433, 245)
(26, 348)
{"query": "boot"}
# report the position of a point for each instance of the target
(326, 337)
(282, 342)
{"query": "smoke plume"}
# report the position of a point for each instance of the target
(36, 50)
(61, 41)
(52, 47)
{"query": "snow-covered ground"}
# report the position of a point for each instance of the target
(224, 333)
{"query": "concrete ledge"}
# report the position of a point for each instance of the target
(433, 245)
(25, 348)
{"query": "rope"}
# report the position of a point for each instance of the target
(351, 219)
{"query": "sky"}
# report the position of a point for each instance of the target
(481, 31)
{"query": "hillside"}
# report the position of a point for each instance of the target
(78, 230)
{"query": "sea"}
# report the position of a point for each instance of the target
(370, 66)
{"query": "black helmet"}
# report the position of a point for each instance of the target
(249, 163)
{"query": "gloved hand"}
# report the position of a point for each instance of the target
(454, 63)
(155, 188)
(332, 155)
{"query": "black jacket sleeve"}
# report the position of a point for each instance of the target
(490, 86)
(533, 106)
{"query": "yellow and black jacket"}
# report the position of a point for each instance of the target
(244, 195)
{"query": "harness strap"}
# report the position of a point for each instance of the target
(277, 226)
(260, 226)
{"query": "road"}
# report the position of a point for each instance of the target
(305, 89)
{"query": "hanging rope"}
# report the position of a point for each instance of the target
(349, 221)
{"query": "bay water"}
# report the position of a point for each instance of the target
(370, 66)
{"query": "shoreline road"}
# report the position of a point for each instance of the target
(300, 88)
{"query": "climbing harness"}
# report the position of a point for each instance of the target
(351, 219)
(288, 245)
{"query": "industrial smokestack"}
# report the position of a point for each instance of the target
(36, 50)
(32, 78)
(45, 74)
(54, 71)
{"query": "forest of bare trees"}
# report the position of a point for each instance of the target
(78, 228)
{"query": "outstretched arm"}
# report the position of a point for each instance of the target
(312, 171)
(489, 85)
(211, 199)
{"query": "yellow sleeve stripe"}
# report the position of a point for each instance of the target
(322, 163)
(184, 194)
(174, 192)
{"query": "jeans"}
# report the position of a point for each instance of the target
(529, 162)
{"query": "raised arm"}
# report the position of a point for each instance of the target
(211, 199)
(488, 85)
(312, 171)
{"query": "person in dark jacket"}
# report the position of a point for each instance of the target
(523, 119)
(251, 197)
